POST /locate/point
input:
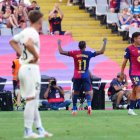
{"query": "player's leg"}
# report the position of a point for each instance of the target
(87, 88)
(89, 99)
(133, 98)
(76, 88)
(74, 99)
(91, 93)
(29, 118)
(132, 102)
(37, 119)
(138, 95)
(26, 90)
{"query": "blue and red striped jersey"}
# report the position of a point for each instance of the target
(81, 62)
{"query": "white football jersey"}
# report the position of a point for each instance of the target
(22, 38)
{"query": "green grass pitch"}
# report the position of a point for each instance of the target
(102, 125)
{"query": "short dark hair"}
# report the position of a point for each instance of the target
(135, 35)
(82, 45)
(34, 16)
(34, 2)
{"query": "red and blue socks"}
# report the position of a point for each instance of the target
(75, 97)
(88, 98)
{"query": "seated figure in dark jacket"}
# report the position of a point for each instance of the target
(55, 97)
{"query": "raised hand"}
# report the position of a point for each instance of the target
(56, 6)
(105, 40)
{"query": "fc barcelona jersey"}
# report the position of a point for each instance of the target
(81, 62)
(133, 54)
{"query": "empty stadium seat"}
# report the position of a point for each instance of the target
(102, 2)
(124, 6)
(6, 32)
(90, 3)
(133, 30)
(101, 10)
(112, 18)
(45, 27)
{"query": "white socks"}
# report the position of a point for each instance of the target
(37, 118)
(31, 114)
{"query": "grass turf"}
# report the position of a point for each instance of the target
(102, 125)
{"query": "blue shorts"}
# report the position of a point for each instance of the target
(60, 32)
(135, 80)
(85, 83)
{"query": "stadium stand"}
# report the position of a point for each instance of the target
(111, 21)
(90, 3)
(83, 28)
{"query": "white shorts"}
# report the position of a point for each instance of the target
(29, 77)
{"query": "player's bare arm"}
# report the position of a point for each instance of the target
(15, 46)
(51, 13)
(123, 66)
(61, 51)
(30, 47)
(103, 47)
(60, 12)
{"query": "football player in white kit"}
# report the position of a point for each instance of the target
(27, 44)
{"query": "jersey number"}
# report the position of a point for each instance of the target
(82, 63)
(24, 54)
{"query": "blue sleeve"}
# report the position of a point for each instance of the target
(127, 53)
(92, 54)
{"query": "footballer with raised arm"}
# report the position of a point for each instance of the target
(81, 71)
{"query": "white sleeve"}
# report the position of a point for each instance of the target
(18, 37)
